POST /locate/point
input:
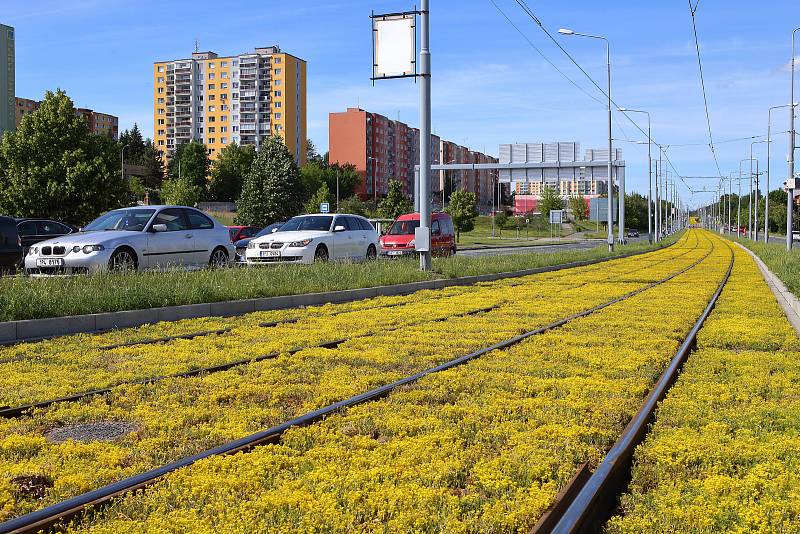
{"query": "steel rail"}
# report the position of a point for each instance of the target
(69, 508)
(591, 500)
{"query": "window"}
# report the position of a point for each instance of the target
(160, 79)
(436, 229)
(277, 116)
(276, 60)
(224, 75)
(210, 119)
(212, 109)
(277, 72)
(235, 85)
(161, 143)
(277, 82)
(223, 86)
(173, 218)
(235, 96)
(27, 228)
(277, 93)
(212, 97)
(160, 68)
(160, 100)
(211, 140)
(224, 107)
(235, 107)
(210, 75)
(212, 86)
(223, 140)
(235, 129)
(161, 111)
(199, 109)
(161, 122)
(236, 117)
(223, 118)
(161, 132)
(210, 65)
(278, 127)
(160, 90)
(223, 64)
(211, 129)
(235, 62)
(223, 129)
(277, 104)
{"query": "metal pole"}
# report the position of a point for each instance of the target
(755, 211)
(750, 199)
(610, 170)
(337, 189)
(730, 192)
(790, 192)
(659, 170)
(425, 263)
(739, 205)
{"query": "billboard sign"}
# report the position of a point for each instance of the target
(598, 209)
(394, 45)
(556, 216)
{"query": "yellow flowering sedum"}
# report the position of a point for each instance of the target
(724, 454)
(479, 448)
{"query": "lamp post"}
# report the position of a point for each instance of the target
(790, 159)
(739, 214)
(649, 173)
(754, 203)
(769, 143)
(425, 261)
(567, 32)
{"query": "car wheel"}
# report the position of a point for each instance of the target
(321, 254)
(372, 253)
(219, 258)
(123, 260)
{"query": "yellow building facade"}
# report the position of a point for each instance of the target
(234, 99)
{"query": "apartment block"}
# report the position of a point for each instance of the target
(7, 79)
(239, 99)
(99, 123)
(382, 149)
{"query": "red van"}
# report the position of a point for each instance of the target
(399, 239)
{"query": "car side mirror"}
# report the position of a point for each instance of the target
(338, 228)
(273, 230)
(159, 228)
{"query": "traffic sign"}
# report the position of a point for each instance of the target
(324, 207)
(556, 216)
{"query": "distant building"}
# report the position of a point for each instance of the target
(382, 149)
(7, 79)
(99, 123)
(556, 165)
(239, 99)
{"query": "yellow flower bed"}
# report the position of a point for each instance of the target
(724, 454)
(179, 417)
(479, 448)
(70, 365)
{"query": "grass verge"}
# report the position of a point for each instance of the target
(784, 264)
(24, 298)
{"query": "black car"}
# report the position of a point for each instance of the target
(633, 233)
(241, 245)
(32, 231)
(10, 245)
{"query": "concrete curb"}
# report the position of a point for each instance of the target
(788, 301)
(12, 332)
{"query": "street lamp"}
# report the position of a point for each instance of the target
(739, 208)
(769, 142)
(790, 159)
(754, 232)
(649, 172)
(566, 32)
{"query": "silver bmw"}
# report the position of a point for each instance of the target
(129, 239)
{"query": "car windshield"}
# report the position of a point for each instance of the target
(309, 222)
(232, 232)
(133, 220)
(268, 229)
(403, 227)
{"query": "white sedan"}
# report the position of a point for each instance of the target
(146, 237)
(318, 237)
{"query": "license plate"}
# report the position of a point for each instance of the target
(270, 253)
(49, 262)
(394, 252)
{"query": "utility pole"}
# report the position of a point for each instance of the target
(790, 178)
(425, 262)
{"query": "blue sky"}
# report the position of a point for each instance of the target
(489, 85)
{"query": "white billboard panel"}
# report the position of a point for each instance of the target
(394, 46)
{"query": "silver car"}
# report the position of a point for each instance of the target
(128, 239)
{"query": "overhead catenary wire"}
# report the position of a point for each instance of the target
(693, 11)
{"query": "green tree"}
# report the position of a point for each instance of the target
(228, 172)
(315, 173)
(354, 205)
(550, 201)
(52, 166)
(578, 207)
(312, 176)
(134, 144)
(463, 209)
(395, 203)
(153, 166)
(180, 192)
(636, 211)
(272, 189)
(312, 156)
(190, 161)
(322, 195)
(500, 220)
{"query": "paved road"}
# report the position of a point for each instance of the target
(499, 251)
